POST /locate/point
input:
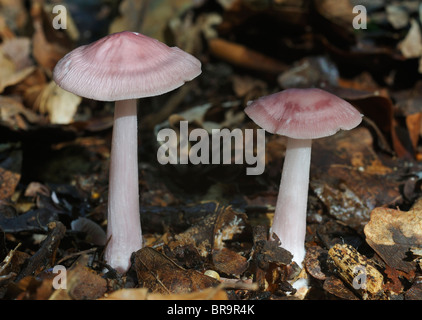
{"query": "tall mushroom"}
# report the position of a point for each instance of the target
(123, 67)
(301, 115)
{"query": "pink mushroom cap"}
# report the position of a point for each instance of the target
(303, 113)
(125, 65)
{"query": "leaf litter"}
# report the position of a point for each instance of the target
(206, 227)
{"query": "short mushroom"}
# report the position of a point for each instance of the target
(123, 67)
(301, 115)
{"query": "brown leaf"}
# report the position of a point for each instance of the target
(315, 262)
(160, 274)
(242, 56)
(229, 262)
(336, 287)
(271, 262)
(415, 291)
(15, 13)
(15, 116)
(8, 183)
(229, 225)
(337, 11)
(59, 104)
(49, 45)
(13, 262)
(82, 283)
(393, 284)
(46, 254)
(200, 235)
(411, 45)
(142, 294)
(349, 177)
(310, 72)
(12, 71)
(211, 232)
(391, 233)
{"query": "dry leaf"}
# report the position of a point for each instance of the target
(350, 178)
(397, 16)
(392, 233)
(160, 274)
(14, 115)
(245, 57)
(229, 262)
(15, 14)
(336, 287)
(82, 283)
(337, 11)
(131, 16)
(49, 45)
(411, 46)
(8, 183)
(15, 64)
(61, 105)
(216, 293)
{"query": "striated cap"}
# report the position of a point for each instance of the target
(303, 113)
(125, 65)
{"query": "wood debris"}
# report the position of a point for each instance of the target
(357, 271)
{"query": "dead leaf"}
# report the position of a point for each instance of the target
(142, 294)
(349, 177)
(61, 105)
(391, 233)
(315, 262)
(15, 116)
(200, 235)
(82, 283)
(161, 275)
(242, 56)
(210, 233)
(415, 291)
(46, 254)
(14, 62)
(132, 15)
(338, 11)
(18, 50)
(270, 261)
(229, 262)
(229, 225)
(10, 170)
(13, 262)
(93, 232)
(35, 188)
(8, 182)
(336, 287)
(411, 46)
(309, 72)
(15, 13)
(397, 15)
(49, 45)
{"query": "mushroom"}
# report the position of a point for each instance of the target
(301, 115)
(123, 67)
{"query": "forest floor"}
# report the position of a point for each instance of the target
(206, 227)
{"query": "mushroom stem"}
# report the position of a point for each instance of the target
(124, 225)
(289, 222)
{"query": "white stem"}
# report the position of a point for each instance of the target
(124, 225)
(289, 222)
